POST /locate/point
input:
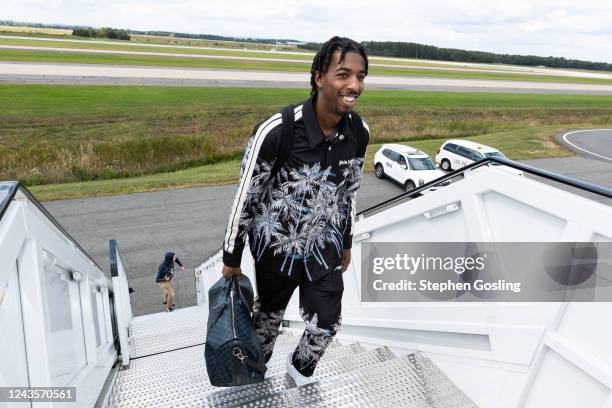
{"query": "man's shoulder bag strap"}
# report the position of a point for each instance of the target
(362, 135)
(287, 136)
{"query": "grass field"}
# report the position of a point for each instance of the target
(154, 39)
(515, 143)
(85, 43)
(132, 46)
(173, 61)
(56, 134)
(14, 30)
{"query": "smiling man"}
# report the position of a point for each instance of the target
(296, 203)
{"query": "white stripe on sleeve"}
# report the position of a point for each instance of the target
(243, 187)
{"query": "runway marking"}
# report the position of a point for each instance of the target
(580, 148)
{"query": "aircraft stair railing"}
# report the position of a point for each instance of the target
(519, 347)
(452, 176)
(123, 306)
(56, 309)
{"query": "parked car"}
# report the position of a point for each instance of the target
(406, 165)
(455, 154)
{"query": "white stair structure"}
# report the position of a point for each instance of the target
(347, 375)
(498, 354)
(70, 325)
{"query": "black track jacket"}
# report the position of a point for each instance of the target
(300, 221)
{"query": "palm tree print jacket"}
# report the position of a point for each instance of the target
(299, 220)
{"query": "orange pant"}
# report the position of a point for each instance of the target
(168, 293)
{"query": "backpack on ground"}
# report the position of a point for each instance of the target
(233, 353)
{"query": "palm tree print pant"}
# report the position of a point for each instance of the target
(320, 305)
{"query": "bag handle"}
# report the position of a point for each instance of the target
(233, 281)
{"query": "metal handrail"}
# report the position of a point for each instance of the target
(112, 254)
(210, 254)
(592, 188)
(17, 186)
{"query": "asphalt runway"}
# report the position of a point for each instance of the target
(308, 60)
(192, 221)
(51, 73)
(448, 65)
(591, 143)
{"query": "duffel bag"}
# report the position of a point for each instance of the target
(233, 352)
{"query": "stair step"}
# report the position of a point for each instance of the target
(141, 346)
(325, 369)
(150, 368)
(410, 381)
(276, 365)
(177, 385)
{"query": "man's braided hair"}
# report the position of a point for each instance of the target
(321, 61)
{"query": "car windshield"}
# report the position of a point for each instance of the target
(495, 154)
(424, 163)
(499, 155)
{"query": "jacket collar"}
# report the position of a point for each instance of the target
(311, 124)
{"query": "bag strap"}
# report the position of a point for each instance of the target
(261, 367)
(240, 294)
(359, 129)
(286, 142)
(288, 135)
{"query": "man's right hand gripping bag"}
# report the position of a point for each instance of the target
(233, 352)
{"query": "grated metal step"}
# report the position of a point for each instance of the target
(276, 365)
(161, 332)
(352, 360)
(348, 376)
(187, 359)
(179, 378)
(169, 376)
(409, 382)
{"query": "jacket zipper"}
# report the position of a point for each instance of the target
(233, 312)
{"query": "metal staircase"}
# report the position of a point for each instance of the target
(58, 306)
(167, 369)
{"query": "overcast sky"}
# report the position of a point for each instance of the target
(573, 29)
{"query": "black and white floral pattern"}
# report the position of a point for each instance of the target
(266, 327)
(313, 343)
(300, 213)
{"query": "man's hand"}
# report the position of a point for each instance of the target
(228, 272)
(182, 268)
(346, 259)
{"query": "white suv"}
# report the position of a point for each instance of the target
(406, 165)
(454, 154)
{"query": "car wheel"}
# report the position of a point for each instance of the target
(446, 165)
(380, 171)
(409, 186)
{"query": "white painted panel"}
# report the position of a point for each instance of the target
(583, 324)
(504, 214)
(95, 315)
(66, 345)
(14, 367)
(601, 238)
(101, 317)
(418, 228)
(483, 382)
(560, 384)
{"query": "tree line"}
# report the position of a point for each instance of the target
(421, 51)
(104, 32)
(213, 37)
(378, 48)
